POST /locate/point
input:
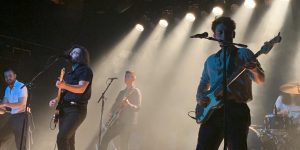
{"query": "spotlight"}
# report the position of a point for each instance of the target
(163, 23)
(217, 11)
(249, 3)
(234, 7)
(139, 27)
(190, 17)
(193, 9)
(166, 16)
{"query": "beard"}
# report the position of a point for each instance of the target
(11, 82)
(74, 61)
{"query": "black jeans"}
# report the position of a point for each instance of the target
(211, 133)
(5, 131)
(123, 130)
(69, 120)
(14, 124)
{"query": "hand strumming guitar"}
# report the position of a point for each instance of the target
(204, 101)
(53, 102)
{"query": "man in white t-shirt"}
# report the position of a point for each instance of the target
(15, 98)
(286, 106)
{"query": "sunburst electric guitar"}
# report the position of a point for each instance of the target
(59, 101)
(202, 113)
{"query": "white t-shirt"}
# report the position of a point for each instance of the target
(281, 106)
(13, 94)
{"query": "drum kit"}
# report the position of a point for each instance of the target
(279, 132)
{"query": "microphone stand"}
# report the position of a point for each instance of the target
(102, 99)
(29, 86)
(225, 49)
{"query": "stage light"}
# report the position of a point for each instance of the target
(217, 11)
(250, 3)
(163, 23)
(190, 17)
(234, 7)
(139, 27)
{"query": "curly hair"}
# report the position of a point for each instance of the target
(227, 21)
(9, 69)
(84, 57)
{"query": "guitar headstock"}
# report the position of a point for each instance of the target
(62, 73)
(266, 48)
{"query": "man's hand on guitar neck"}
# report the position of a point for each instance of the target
(61, 84)
(251, 65)
(77, 88)
(258, 74)
(53, 102)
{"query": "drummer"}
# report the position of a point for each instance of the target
(286, 106)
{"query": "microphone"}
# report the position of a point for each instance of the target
(114, 78)
(65, 56)
(202, 35)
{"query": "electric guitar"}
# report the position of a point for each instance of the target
(59, 101)
(116, 113)
(203, 112)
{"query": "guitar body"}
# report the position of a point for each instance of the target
(204, 112)
(57, 111)
(112, 119)
(116, 113)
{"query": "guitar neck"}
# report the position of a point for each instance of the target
(58, 94)
(257, 54)
(263, 50)
(239, 72)
(62, 73)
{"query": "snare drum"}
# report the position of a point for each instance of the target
(277, 122)
(259, 139)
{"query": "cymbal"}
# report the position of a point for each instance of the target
(298, 111)
(291, 88)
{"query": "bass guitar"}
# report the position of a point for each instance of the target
(116, 113)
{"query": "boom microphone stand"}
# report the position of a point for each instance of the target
(29, 86)
(102, 99)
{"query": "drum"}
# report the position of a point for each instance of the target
(277, 122)
(259, 139)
